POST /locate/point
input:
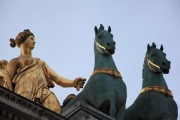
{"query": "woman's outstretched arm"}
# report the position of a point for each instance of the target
(64, 82)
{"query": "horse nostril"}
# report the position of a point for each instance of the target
(163, 63)
(108, 44)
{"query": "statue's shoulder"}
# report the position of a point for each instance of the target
(14, 61)
(39, 60)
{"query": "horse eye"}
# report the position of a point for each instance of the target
(99, 36)
(164, 54)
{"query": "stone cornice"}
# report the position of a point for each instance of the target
(82, 111)
(14, 106)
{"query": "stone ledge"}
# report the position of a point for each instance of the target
(82, 111)
(16, 107)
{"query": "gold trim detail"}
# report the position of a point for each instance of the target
(149, 62)
(100, 45)
(160, 89)
(108, 71)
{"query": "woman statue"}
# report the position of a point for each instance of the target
(32, 77)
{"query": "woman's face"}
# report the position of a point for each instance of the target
(30, 42)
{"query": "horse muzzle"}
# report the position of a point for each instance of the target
(111, 51)
(165, 67)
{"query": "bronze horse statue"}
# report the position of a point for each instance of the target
(155, 101)
(105, 89)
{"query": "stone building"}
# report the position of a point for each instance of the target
(16, 107)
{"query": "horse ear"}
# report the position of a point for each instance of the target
(96, 30)
(161, 48)
(148, 47)
(109, 29)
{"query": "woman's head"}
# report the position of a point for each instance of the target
(21, 37)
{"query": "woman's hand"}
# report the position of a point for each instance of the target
(79, 83)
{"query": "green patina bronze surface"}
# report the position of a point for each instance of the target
(154, 105)
(103, 91)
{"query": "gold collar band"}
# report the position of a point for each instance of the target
(108, 71)
(160, 89)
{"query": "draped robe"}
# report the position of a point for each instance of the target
(33, 82)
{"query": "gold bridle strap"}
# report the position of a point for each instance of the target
(100, 46)
(108, 71)
(149, 62)
(160, 89)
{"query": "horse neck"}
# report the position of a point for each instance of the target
(151, 78)
(103, 61)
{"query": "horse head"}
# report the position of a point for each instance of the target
(156, 59)
(155, 97)
(104, 40)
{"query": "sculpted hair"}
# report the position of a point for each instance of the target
(21, 37)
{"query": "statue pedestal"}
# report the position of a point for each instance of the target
(16, 107)
(82, 111)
